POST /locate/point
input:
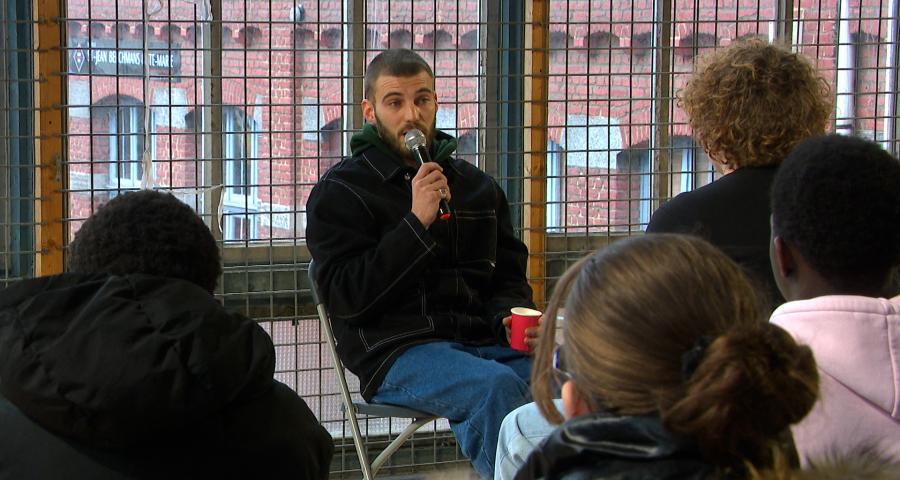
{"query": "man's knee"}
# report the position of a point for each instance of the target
(507, 385)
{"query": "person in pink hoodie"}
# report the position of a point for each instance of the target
(835, 245)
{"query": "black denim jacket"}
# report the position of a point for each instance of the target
(389, 283)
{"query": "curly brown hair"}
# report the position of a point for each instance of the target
(749, 104)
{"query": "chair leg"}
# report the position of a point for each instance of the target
(360, 444)
(399, 441)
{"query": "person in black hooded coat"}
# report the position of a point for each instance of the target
(128, 367)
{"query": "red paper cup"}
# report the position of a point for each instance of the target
(522, 318)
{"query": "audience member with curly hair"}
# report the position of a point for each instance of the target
(128, 367)
(748, 104)
(836, 238)
(668, 368)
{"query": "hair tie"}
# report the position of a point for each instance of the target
(691, 359)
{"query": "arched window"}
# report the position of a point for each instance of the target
(400, 39)
(124, 118)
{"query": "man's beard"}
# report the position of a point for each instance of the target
(399, 146)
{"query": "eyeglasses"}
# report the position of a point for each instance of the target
(559, 373)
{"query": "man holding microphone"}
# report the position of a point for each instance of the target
(419, 265)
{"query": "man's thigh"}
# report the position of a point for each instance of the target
(451, 379)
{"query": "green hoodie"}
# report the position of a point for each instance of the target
(444, 144)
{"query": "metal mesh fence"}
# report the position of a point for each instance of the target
(239, 106)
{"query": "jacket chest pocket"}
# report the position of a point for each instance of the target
(476, 237)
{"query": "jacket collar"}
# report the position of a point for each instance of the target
(385, 166)
(603, 444)
(368, 146)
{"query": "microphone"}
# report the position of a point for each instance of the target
(415, 143)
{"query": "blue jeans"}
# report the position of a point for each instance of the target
(473, 387)
(522, 431)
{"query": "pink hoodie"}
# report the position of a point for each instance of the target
(856, 341)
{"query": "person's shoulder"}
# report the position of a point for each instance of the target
(470, 172)
(745, 181)
(856, 305)
(677, 214)
(712, 202)
(345, 175)
(346, 167)
(462, 167)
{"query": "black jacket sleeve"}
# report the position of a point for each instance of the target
(360, 265)
(666, 219)
(510, 286)
(281, 435)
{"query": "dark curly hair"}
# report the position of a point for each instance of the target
(836, 199)
(751, 102)
(147, 232)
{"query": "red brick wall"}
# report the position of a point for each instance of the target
(271, 67)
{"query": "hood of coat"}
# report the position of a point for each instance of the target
(601, 445)
(856, 341)
(119, 361)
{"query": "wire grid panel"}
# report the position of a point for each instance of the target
(17, 166)
(241, 118)
(239, 106)
(616, 68)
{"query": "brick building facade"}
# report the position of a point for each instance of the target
(284, 100)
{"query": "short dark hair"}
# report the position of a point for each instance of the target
(836, 199)
(147, 232)
(399, 62)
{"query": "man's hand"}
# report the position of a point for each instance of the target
(532, 334)
(428, 187)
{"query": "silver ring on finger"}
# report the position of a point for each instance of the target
(443, 192)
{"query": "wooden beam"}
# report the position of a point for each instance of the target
(661, 95)
(537, 65)
(48, 137)
(213, 121)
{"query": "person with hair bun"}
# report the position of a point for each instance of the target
(668, 368)
(836, 241)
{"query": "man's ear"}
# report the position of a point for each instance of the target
(368, 111)
(574, 403)
(784, 257)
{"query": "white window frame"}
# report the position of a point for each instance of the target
(126, 145)
(240, 143)
(556, 169)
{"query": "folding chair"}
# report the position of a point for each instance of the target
(353, 409)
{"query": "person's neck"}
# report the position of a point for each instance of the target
(818, 286)
(726, 169)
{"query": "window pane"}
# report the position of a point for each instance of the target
(17, 166)
(604, 67)
(855, 44)
(601, 83)
(106, 69)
